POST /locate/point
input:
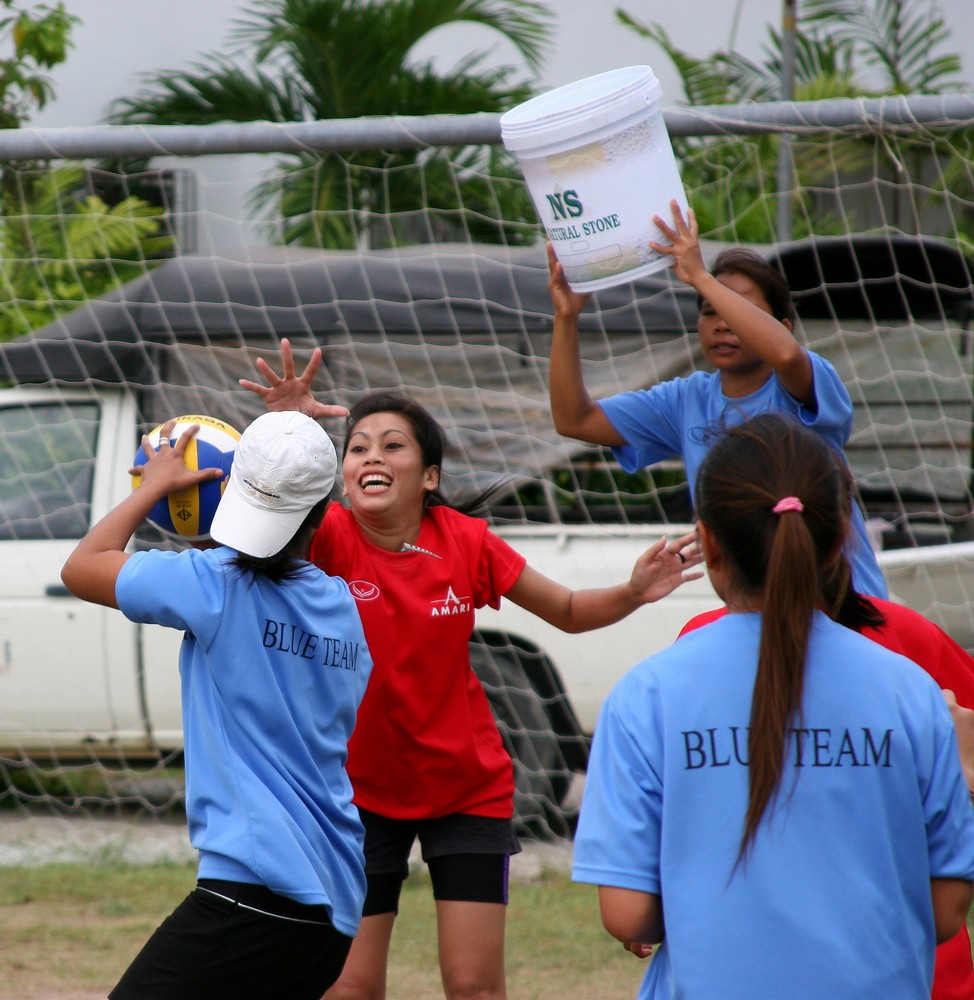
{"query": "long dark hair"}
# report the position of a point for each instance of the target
(845, 604)
(779, 561)
(770, 281)
(432, 443)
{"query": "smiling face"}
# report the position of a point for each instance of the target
(383, 468)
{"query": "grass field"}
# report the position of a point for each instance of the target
(70, 930)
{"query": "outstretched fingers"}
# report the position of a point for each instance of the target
(682, 231)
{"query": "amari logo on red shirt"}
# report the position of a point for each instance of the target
(450, 605)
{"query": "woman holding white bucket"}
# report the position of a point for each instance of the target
(745, 330)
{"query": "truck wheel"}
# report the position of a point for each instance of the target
(542, 778)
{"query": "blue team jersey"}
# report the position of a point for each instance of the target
(833, 899)
(681, 418)
(272, 675)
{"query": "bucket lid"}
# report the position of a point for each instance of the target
(557, 114)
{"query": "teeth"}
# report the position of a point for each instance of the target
(376, 483)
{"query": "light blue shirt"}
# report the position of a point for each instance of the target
(682, 417)
(833, 900)
(272, 675)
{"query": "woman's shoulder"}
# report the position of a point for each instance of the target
(465, 528)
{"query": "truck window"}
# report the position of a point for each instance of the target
(47, 462)
(593, 489)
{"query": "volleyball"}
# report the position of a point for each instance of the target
(188, 514)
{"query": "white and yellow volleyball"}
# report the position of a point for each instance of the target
(189, 513)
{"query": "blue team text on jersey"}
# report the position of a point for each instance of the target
(804, 747)
(293, 639)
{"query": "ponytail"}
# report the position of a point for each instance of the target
(773, 496)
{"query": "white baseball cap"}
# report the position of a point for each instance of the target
(283, 465)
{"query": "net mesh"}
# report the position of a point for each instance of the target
(166, 281)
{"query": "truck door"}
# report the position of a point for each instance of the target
(67, 678)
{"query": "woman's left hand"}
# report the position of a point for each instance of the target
(290, 391)
(684, 245)
(165, 471)
(666, 565)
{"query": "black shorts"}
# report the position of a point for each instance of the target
(237, 940)
(467, 856)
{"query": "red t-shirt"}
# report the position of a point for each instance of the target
(425, 742)
(907, 632)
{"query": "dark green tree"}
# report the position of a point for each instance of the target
(34, 39)
(307, 60)
(60, 243)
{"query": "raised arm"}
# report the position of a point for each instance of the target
(290, 391)
(92, 568)
(658, 571)
(574, 412)
(766, 336)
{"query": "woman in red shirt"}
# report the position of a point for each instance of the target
(426, 759)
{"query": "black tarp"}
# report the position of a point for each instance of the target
(466, 330)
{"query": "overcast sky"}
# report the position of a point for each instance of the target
(119, 39)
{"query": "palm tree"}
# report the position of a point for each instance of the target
(306, 60)
(844, 48)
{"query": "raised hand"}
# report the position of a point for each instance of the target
(666, 565)
(290, 391)
(165, 471)
(565, 301)
(684, 237)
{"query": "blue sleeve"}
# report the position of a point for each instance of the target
(182, 590)
(832, 416)
(617, 842)
(651, 421)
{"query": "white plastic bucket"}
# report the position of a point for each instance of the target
(599, 165)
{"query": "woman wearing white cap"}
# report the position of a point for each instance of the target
(426, 759)
(274, 664)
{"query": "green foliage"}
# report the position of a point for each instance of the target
(843, 49)
(303, 60)
(39, 37)
(61, 244)
(595, 489)
(897, 39)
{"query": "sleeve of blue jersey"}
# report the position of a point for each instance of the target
(182, 590)
(617, 842)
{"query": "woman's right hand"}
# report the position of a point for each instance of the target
(639, 949)
(566, 301)
(290, 391)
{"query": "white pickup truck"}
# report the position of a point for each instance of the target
(79, 679)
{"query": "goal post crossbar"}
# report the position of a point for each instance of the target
(415, 132)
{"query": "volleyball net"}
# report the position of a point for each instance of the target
(163, 261)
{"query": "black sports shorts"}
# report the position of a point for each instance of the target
(234, 939)
(467, 856)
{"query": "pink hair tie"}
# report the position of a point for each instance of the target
(788, 503)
